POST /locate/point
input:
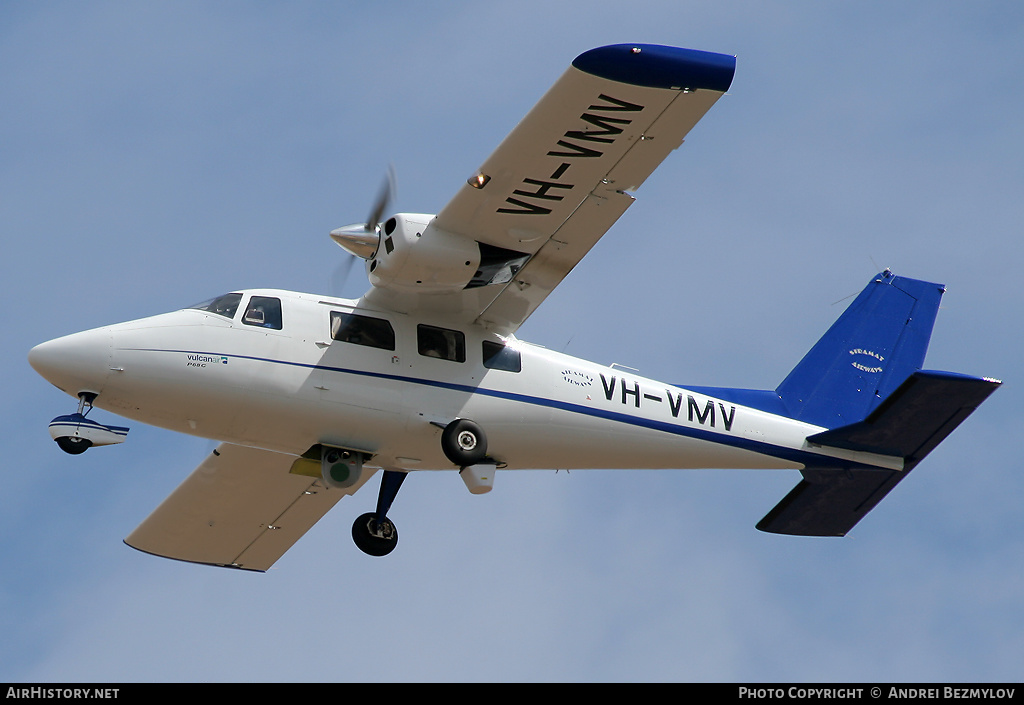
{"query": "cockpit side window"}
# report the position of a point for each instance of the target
(263, 312)
(362, 330)
(225, 305)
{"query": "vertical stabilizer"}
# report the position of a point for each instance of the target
(878, 342)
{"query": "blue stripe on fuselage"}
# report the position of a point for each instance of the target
(791, 454)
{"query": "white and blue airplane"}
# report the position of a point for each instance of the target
(309, 396)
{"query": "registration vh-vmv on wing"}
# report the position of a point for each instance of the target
(309, 396)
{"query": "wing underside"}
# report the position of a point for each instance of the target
(564, 175)
(241, 508)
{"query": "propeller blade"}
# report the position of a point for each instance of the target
(340, 277)
(384, 198)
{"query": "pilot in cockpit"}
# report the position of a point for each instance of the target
(254, 316)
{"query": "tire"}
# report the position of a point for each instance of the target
(366, 539)
(464, 443)
(74, 445)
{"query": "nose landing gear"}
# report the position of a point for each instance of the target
(75, 434)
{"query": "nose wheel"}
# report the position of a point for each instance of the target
(73, 445)
(75, 434)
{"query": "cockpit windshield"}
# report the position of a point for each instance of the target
(225, 305)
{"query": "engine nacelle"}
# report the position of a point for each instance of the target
(415, 256)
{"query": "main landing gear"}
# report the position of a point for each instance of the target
(75, 434)
(463, 443)
(373, 532)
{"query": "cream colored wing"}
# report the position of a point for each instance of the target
(565, 174)
(241, 508)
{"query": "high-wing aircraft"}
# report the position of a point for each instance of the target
(309, 395)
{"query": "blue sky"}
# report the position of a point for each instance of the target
(153, 155)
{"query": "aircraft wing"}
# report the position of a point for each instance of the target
(564, 175)
(241, 508)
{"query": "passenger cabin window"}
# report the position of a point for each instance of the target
(263, 312)
(225, 305)
(441, 343)
(500, 357)
(362, 330)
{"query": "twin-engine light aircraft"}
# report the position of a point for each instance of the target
(310, 396)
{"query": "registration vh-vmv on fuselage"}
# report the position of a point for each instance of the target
(310, 396)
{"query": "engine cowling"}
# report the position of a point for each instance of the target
(409, 254)
(413, 255)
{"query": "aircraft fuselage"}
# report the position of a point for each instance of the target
(289, 388)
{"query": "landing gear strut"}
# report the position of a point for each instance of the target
(373, 533)
(75, 433)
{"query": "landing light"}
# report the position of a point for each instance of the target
(479, 181)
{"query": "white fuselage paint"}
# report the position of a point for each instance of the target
(286, 390)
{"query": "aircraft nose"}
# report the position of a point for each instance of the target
(75, 363)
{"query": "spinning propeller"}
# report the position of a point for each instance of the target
(362, 239)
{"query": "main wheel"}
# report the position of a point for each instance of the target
(464, 442)
(373, 539)
(73, 444)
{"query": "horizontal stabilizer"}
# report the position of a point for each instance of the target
(909, 423)
(915, 418)
(830, 502)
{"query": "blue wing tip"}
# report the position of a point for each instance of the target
(656, 66)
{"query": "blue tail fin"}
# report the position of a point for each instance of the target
(863, 382)
(878, 342)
